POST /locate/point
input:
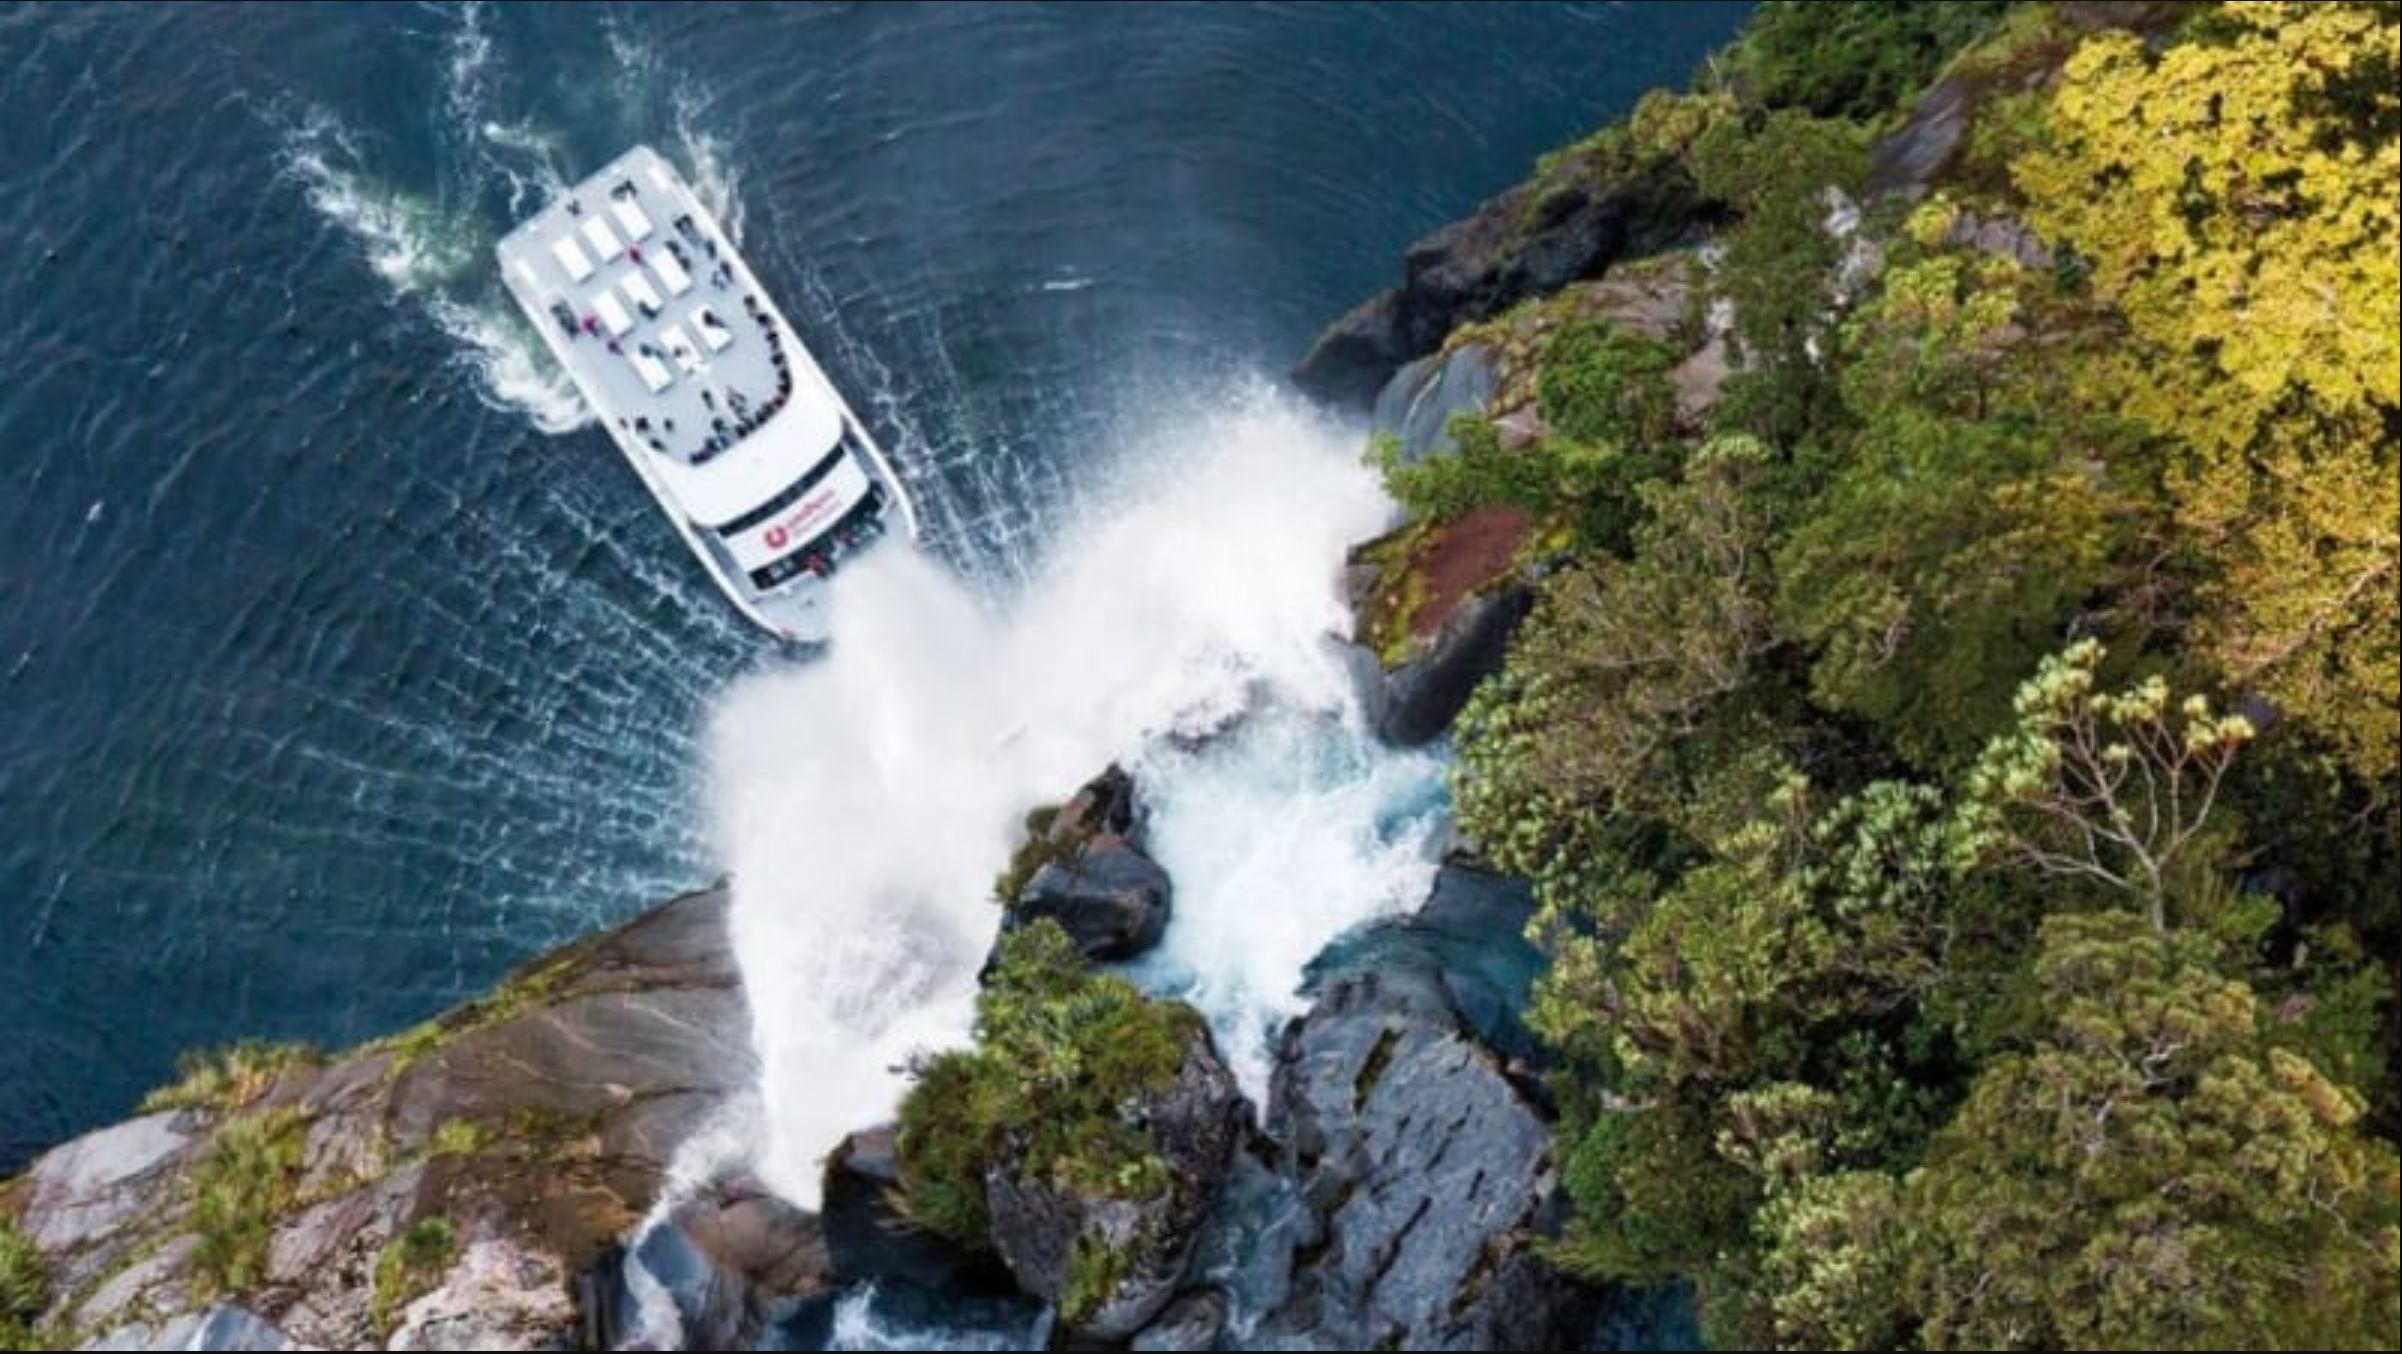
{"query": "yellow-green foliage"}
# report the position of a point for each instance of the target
(1039, 848)
(248, 1179)
(410, 1264)
(458, 1138)
(1897, 794)
(230, 1077)
(24, 1290)
(1061, 1055)
(2231, 201)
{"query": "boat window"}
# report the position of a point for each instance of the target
(816, 476)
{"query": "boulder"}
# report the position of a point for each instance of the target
(224, 1326)
(1415, 701)
(1095, 881)
(733, 1259)
(868, 1240)
(1111, 899)
(1423, 1168)
(1416, 407)
(499, 1295)
(1040, 1224)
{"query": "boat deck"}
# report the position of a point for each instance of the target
(664, 327)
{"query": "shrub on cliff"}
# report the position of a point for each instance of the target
(1059, 1052)
(24, 1289)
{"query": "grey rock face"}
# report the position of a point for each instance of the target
(537, 1125)
(1424, 1168)
(1415, 703)
(1039, 1225)
(1112, 899)
(1514, 247)
(1417, 405)
(222, 1327)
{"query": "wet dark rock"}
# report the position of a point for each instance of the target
(1423, 1168)
(1039, 1224)
(1530, 241)
(1470, 935)
(1414, 703)
(1113, 900)
(734, 1258)
(869, 1241)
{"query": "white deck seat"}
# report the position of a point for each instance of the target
(654, 373)
(612, 314)
(604, 241)
(571, 258)
(638, 290)
(670, 272)
(713, 330)
(630, 215)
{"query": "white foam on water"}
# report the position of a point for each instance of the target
(864, 802)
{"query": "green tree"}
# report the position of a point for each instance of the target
(1856, 60)
(1960, 528)
(2110, 789)
(1777, 264)
(2232, 202)
(2151, 1173)
(1636, 656)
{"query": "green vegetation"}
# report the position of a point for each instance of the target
(1041, 847)
(249, 1178)
(1861, 59)
(1610, 415)
(409, 1265)
(24, 1290)
(1961, 781)
(1061, 1054)
(517, 994)
(229, 1078)
(458, 1138)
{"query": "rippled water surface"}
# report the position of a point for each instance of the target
(342, 668)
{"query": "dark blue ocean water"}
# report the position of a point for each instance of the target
(333, 684)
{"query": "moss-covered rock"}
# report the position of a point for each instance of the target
(1082, 1140)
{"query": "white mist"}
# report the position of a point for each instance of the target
(864, 802)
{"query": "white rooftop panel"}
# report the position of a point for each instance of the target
(604, 240)
(612, 314)
(571, 258)
(630, 215)
(654, 372)
(670, 272)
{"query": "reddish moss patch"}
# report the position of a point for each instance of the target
(1461, 558)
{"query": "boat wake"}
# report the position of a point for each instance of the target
(863, 803)
(432, 244)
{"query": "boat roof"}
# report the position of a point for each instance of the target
(665, 330)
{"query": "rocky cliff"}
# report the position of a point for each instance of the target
(446, 1187)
